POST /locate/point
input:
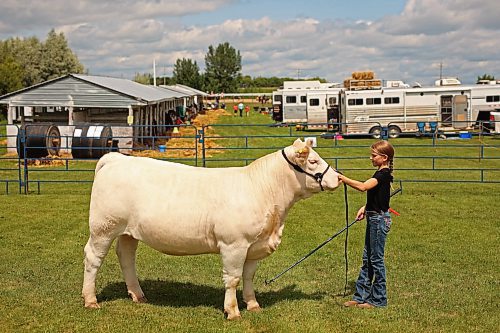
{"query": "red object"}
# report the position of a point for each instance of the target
(394, 212)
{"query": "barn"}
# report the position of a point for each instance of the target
(77, 104)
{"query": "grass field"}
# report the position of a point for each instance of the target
(442, 262)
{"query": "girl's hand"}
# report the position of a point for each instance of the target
(361, 214)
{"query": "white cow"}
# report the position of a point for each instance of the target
(238, 212)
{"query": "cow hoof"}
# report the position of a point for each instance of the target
(255, 308)
(228, 316)
(93, 305)
(135, 299)
(142, 299)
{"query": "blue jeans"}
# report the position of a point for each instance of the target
(371, 283)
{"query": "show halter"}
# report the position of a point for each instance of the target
(317, 176)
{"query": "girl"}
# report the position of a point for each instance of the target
(371, 284)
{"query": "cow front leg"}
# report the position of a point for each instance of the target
(248, 291)
(233, 260)
(126, 248)
(95, 251)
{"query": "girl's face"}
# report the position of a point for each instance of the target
(377, 159)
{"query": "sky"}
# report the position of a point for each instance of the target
(409, 40)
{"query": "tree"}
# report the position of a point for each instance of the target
(187, 72)
(223, 68)
(57, 58)
(11, 72)
(28, 53)
(487, 77)
(145, 78)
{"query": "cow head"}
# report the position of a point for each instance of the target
(302, 154)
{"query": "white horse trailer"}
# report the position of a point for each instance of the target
(290, 103)
(400, 109)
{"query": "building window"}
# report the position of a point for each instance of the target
(492, 99)
(278, 98)
(391, 100)
(332, 100)
(303, 99)
(291, 99)
(371, 101)
(314, 102)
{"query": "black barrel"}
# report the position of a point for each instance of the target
(91, 141)
(40, 140)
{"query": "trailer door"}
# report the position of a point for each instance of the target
(316, 109)
(460, 107)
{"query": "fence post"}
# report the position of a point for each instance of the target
(201, 134)
(23, 182)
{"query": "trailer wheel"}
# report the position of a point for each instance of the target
(394, 132)
(376, 132)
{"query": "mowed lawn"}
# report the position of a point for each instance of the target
(442, 262)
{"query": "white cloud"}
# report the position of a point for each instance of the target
(121, 38)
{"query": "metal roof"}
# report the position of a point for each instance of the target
(88, 91)
(186, 89)
(128, 87)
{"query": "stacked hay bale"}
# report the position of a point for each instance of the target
(362, 80)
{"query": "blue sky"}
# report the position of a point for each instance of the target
(397, 39)
(291, 9)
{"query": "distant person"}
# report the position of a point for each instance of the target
(247, 110)
(241, 106)
(235, 109)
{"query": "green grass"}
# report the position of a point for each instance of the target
(441, 255)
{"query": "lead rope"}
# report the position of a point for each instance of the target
(346, 237)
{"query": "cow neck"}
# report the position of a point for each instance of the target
(275, 184)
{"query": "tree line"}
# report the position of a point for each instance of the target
(222, 73)
(28, 61)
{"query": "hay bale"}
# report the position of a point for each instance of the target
(363, 75)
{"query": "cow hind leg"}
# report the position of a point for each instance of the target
(95, 251)
(233, 260)
(248, 290)
(126, 248)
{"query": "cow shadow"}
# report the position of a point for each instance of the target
(183, 294)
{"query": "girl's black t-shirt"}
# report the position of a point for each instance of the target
(378, 198)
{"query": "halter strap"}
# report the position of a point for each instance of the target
(317, 176)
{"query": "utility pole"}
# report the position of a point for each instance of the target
(298, 73)
(154, 72)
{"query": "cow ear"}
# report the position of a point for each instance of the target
(298, 144)
(309, 142)
(302, 154)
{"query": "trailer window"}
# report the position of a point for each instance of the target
(371, 101)
(291, 99)
(491, 99)
(278, 98)
(303, 99)
(332, 101)
(355, 101)
(314, 102)
(391, 100)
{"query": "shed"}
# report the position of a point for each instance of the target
(75, 99)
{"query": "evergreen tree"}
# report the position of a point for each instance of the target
(223, 68)
(187, 72)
